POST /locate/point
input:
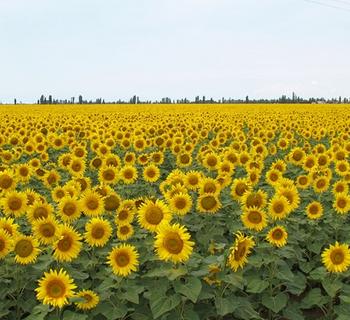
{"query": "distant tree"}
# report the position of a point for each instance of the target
(15, 101)
(247, 99)
(50, 99)
(80, 99)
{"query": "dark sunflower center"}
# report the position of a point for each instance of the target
(69, 209)
(208, 202)
(180, 203)
(254, 217)
(65, 243)
(40, 212)
(97, 232)
(122, 259)
(240, 251)
(337, 256)
(154, 215)
(92, 204)
(24, 248)
(111, 202)
(55, 289)
(277, 234)
(15, 203)
(108, 175)
(173, 243)
(47, 230)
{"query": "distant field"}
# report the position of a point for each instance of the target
(174, 212)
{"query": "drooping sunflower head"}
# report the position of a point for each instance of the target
(173, 243)
(123, 259)
(240, 251)
(98, 232)
(153, 213)
(90, 300)
(277, 236)
(55, 288)
(336, 258)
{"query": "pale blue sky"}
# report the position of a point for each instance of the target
(156, 48)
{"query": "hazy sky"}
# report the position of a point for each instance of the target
(156, 48)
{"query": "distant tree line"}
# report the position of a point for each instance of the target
(136, 100)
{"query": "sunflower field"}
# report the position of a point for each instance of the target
(174, 212)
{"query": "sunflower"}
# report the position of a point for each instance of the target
(7, 181)
(239, 187)
(152, 214)
(112, 201)
(291, 194)
(92, 203)
(340, 186)
(181, 204)
(273, 176)
(336, 258)
(192, 180)
(279, 207)
(123, 259)
(76, 167)
(58, 193)
(209, 185)
(108, 174)
(239, 251)
(130, 158)
(151, 173)
(125, 231)
(6, 243)
(341, 203)
(39, 210)
(8, 225)
(98, 232)
(211, 161)
(303, 181)
(173, 243)
(68, 245)
(314, 210)
(277, 236)
(124, 215)
(208, 203)
(183, 159)
(254, 199)
(24, 172)
(296, 156)
(69, 209)
(55, 288)
(45, 230)
(128, 174)
(26, 249)
(310, 161)
(254, 218)
(14, 203)
(51, 178)
(321, 184)
(90, 300)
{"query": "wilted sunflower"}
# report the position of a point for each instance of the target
(14, 203)
(208, 203)
(26, 249)
(277, 236)
(55, 288)
(92, 203)
(181, 204)
(90, 300)
(68, 245)
(6, 243)
(240, 251)
(314, 210)
(151, 214)
(123, 259)
(69, 209)
(173, 243)
(254, 218)
(125, 231)
(45, 229)
(336, 258)
(98, 232)
(151, 173)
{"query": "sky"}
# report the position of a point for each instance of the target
(173, 48)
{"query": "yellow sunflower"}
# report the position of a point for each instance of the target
(181, 204)
(314, 210)
(6, 243)
(67, 246)
(98, 232)
(336, 258)
(173, 243)
(124, 215)
(123, 259)
(341, 203)
(152, 214)
(320, 184)
(192, 180)
(108, 174)
(239, 187)
(39, 210)
(55, 288)
(69, 209)
(151, 173)
(8, 225)
(277, 236)
(45, 230)
(7, 181)
(128, 174)
(112, 201)
(240, 251)
(14, 203)
(90, 300)
(254, 218)
(279, 207)
(125, 231)
(26, 249)
(92, 203)
(254, 199)
(208, 203)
